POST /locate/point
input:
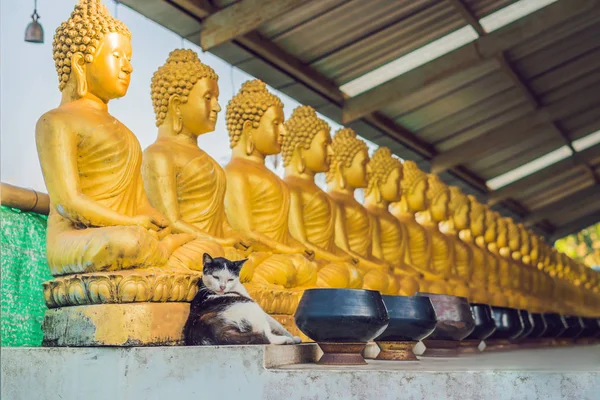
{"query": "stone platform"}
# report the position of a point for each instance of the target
(287, 373)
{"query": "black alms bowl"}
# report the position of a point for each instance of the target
(454, 317)
(341, 315)
(484, 323)
(574, 327)
(509, 324)
(412, 318)
(591, 327)
(556, 325)
(528, 322)
(539, 326)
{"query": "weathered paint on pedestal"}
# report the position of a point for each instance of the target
(135, 324)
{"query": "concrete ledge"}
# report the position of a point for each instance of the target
(286, 373)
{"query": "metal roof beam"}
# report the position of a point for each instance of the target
(590, 193)
(576, 226)
(529, 183)
(468, 56)
(241, 18)
(511, 131)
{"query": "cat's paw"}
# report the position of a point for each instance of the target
(297, 340)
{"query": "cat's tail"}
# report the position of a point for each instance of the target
(231, 334)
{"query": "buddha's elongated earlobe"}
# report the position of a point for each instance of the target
(378, 196)
(340, 172)
(249, 144)
(300, 166)
(247, 132)
(77, 64)
(175, 110)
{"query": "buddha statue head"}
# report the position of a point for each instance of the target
(491, 226)
(477, 217)
(349, 159)
(384, 176)
(92, 54)
(501, 230)
(414, 186)
(185, 95)
(534, 253)
(255, 120)
(460, 208)
(438, 198)
(306, 145)
(525, 241)
(514, 235)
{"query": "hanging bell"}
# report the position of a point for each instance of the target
(34, 32)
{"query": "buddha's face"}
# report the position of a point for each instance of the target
(108, 75)
(199, 114)
(477, 223)
(416, 197)
(356, 173)
(439, 207)
(461, 217)
(267, 137)
(317, 157)
(390, 189)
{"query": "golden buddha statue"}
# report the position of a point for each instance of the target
(471, 237)
(306, 150)
(353, 229)
(257, 202)
(493, 240)
(106, 245)
(182, 181)
(389, 243)
(459, 220)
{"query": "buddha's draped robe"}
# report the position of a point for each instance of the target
(269, 203)
(108, 161)
(318, 220)
(357, 224)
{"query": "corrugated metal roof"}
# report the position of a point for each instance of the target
(340, 40)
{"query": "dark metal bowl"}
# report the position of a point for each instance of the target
(556, 325)
(509, 324)
(341, 315)
(574, 327)
(484, 323)
(412, 318)
(527, 324)
(454, 317)
(539, 326)
(591, 328)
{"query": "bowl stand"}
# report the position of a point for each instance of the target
(396, 351)
(342, 353)
(440, 348)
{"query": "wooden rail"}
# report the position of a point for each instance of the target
(24, 199)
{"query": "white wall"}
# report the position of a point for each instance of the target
(29, 85)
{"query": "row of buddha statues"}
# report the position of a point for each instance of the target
(127, 226)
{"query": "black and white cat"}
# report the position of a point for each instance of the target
(223, 312)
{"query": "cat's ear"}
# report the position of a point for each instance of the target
(206, 260)
(237, 265)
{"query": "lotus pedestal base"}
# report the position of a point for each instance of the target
(397, 351)
(342, 354)
(440, 348)
(469, 347)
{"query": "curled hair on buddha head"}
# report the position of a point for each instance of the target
(249, 104)
(457, 199)
(82, 33)
(177, 76)
(300, 130)
(412, 176)
(436, 188)
(345, 146)
(381, 165)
